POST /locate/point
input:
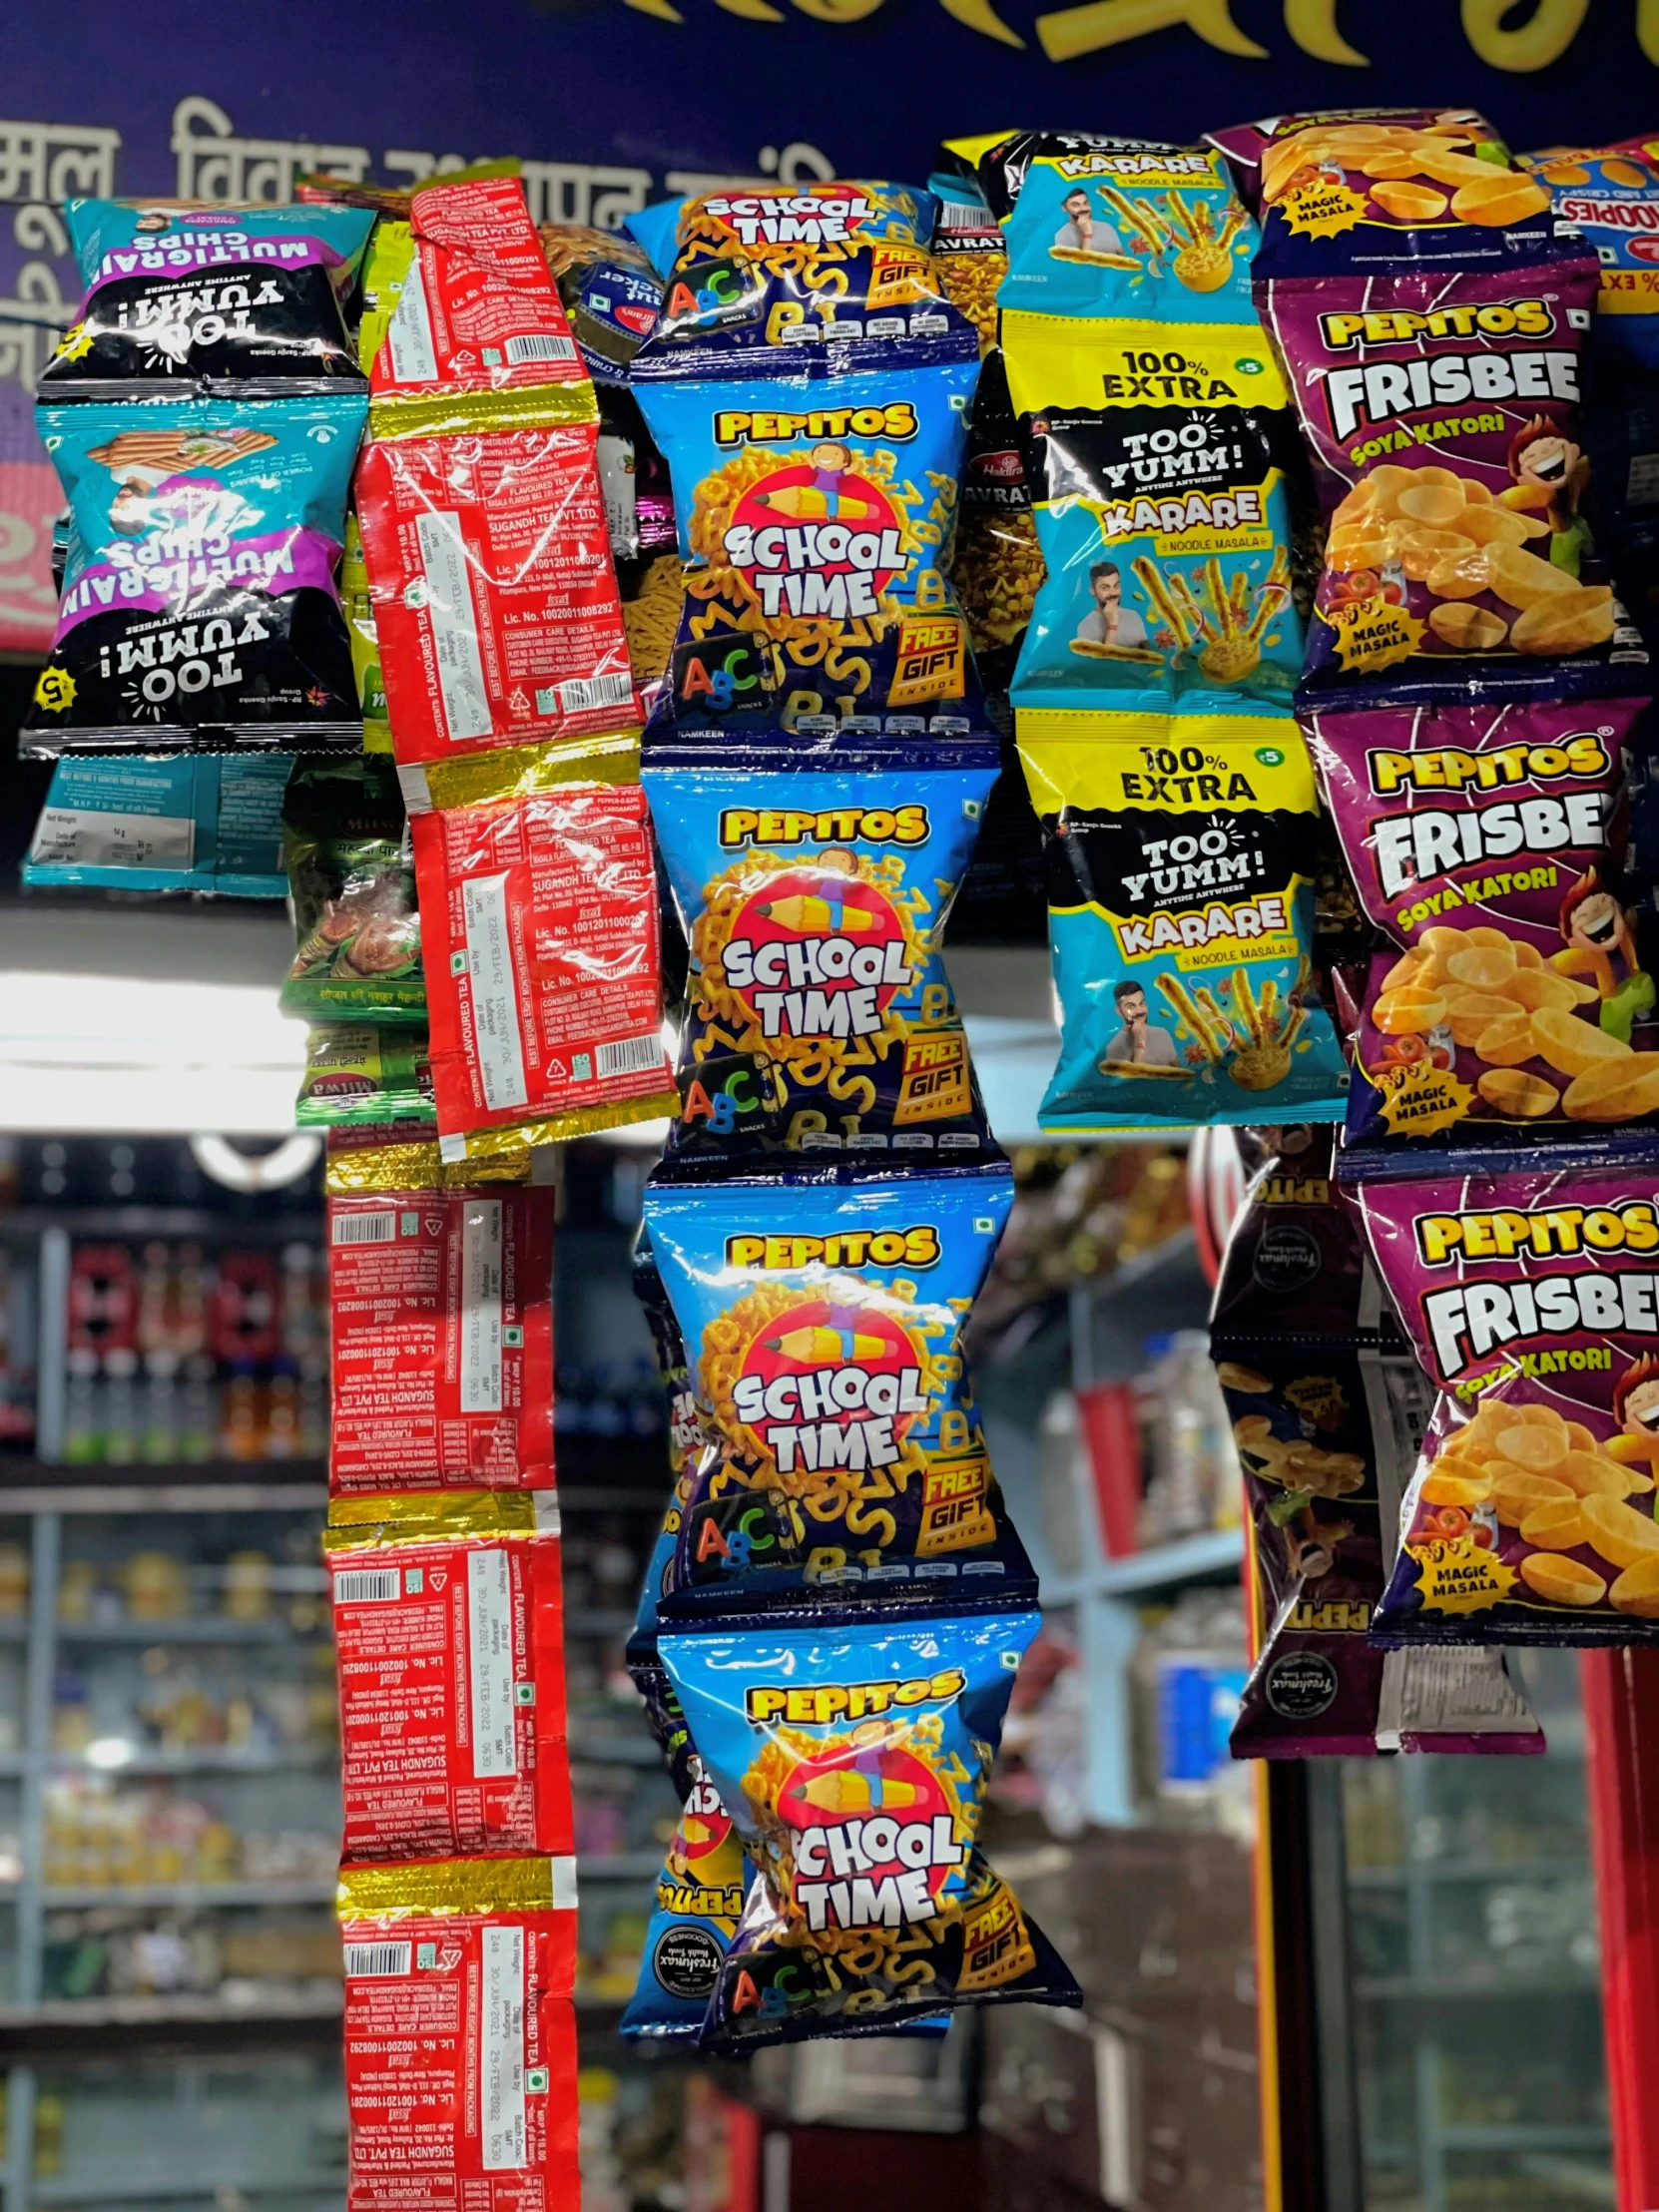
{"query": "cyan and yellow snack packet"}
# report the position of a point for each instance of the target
(1181, 920)
(1157, 467)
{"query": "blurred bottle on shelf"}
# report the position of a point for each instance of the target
(1192, 1470)
(1187, 1676)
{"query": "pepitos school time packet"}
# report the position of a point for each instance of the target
(814, 891)
(852, 1754)
(1328, 1407)
(822, 1313)
(808, 385)
(1179, 886)
(1487, 841)
(1527, 1284)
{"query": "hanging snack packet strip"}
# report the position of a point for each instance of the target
(970, 259)
(700, 1892)
(1181, 918)
(996, 565)
(1611, 196)
(687, 1437)
(199, 606)
(494, 598)
(823, 1331)
(460, 2034)
(245, 300)
(463, 327)
(442, 1310)
(1487, 841)
(450, 1626)
(819, 1016)
(403, 1156)
(813, 515)
(358, 607)
(1442, 413)
(811, 280)
(189, 823)
(1162, 516)
(1529, 1291)
(358, 1075)
(351, 880)
(1328, 1407)
(853, 1760)
(546, 985)
(1120, 229)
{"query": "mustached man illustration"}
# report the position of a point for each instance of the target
(1599, 945)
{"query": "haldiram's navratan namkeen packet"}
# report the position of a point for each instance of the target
(853, 1761)
(1180, 883)
(822, 1325)
(1487, 841)
(819, 1017)
(1532, 1292)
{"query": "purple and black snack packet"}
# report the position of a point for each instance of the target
(1328, 1407)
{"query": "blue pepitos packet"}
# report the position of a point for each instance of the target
(699, 1899)
(240, 299)
(823, 1321)
(852, 1757)
(815, 516)
(199, 603)
(819, 1017)
(800, 280)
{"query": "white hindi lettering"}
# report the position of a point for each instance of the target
(214, 164)
(57, 161)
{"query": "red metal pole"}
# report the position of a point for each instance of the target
(1621, 1712)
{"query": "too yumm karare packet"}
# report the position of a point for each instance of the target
(449, 1630)
(852, 1757)
(1488, 843)
(1530, 1291)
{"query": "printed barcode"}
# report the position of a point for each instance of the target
(365, 1228)
(365, 1585)
(372, 1958)
(957, 214)
(582, 692)
(535, 346)
(630, 1055)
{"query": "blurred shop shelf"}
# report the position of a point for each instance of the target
(1213, 1553)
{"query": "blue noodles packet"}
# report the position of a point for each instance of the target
(242, 301)
(185, 823)
(819, 1017)
(796, 280)
(823, 1321)
(853, 1756)
(201, 606)
(815, 517)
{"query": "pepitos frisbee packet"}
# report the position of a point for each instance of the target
(199, 606)
(819, 1017)
(1122, 230)
(1180, 883)
(1490, 842)
(245, 301)
(811, 279)
(853, 1757)
(822, 1325)
(699, 1901)
(1530, 1290)
(1328, 1407)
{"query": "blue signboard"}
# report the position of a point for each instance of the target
(612, 103)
